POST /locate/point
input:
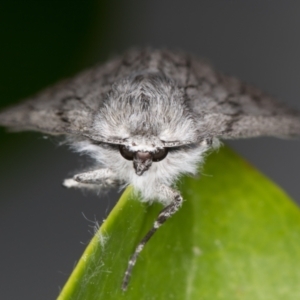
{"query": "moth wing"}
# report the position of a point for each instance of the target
(228, 108)
(65, 108)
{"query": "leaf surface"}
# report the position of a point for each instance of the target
(237, 236)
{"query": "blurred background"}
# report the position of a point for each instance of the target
(45, 228)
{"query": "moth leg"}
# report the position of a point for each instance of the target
(103, 177)
(163, 216)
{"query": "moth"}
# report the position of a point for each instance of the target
(146, 118)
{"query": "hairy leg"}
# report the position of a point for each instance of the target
(164, 215)
(103, 178)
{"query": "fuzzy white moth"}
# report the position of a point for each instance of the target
(148, 117)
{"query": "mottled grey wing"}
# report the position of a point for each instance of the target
(64, 108)
(69, 106)
(228, 108)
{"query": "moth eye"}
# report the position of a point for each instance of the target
(160, 154)
(126, 153)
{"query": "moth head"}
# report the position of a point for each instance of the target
(143, 151)
(142, 160)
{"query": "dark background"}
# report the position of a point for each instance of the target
(43, 227)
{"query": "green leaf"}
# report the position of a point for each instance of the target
(237, 236)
